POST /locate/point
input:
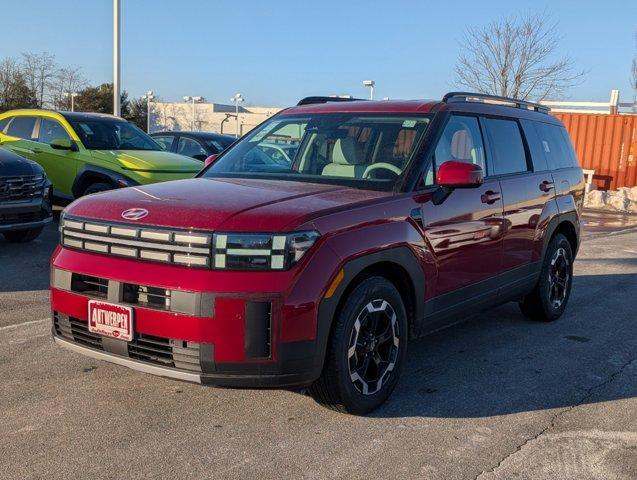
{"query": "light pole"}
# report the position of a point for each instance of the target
(148, 97)
(237, 99)
(193, 100)
(371, 84)
(116, 58)
(72, 95)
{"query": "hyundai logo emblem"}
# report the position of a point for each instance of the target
(134, 213)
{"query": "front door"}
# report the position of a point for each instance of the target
(465, 229)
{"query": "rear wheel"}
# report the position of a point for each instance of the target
(23, 236)
(550, 296)
(97, 187)
(366, 349)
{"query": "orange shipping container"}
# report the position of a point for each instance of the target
(606, 144)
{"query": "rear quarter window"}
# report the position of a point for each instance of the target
(22, 127)
(3, 123)
(556, 145)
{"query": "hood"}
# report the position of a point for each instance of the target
(149, 160)
(13, 165)
(224, 204)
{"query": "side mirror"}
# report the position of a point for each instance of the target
(63, 144)
(453, 174)
(210, 160)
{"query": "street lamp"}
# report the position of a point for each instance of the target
(148, 97)
(371, 84)
(237, 99)
(193, 100)
(72, 95)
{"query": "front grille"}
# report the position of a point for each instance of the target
(88, 285)
(166, 352)
(17, 218)
(73, 329)
(149, 297)
(14, 189)
(181, 247)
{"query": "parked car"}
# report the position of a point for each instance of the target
(85, 153)
(198, 145)
(25, 198)
(394, 219)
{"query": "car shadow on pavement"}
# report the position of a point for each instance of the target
(500, 363)
(25, 266)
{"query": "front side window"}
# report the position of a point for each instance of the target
(506, 143)
(359, 150)
(107, 134)
(190, 148)
(461, 141)
(22, 127)
(51, 130)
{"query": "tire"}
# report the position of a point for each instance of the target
(23, 236)
(550, 296)
(97, 187)
(351, 345)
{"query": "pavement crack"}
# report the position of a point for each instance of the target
(589, 393)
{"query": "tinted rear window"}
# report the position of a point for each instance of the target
(509, 155)
(22, 127)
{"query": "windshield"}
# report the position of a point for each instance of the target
(112, 135)
(359, 150)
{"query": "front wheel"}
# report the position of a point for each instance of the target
(97, 187)
(550, 296)
(366, 349)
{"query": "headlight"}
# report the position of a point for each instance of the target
(258, 251)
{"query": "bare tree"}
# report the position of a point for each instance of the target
(14, 91)
(65, 80)
(38, 69)
(515, 57)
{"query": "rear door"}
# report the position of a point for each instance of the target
(465, 229)
(61, 166)
(19, 136)
(526, 190)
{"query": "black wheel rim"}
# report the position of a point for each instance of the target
(559, 278)
(373, 347)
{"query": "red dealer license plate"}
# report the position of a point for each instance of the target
(110, 320)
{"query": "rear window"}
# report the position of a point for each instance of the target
(22, 127)
(509, 155)
(556, 145)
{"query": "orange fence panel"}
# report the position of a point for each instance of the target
(606, 144)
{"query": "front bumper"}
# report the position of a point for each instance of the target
(234, 329)
(25, 215)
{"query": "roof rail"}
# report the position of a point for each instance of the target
(323, 99)
(495, 99)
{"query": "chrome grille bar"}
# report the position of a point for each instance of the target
(182, 247)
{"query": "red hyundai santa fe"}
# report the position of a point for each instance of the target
(382, 222)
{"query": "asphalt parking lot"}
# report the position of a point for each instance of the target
(497, 397)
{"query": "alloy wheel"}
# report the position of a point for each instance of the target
(559, 278)
(373, 346)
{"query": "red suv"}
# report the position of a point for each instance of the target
(386, 221)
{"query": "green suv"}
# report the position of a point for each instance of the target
(85, 153)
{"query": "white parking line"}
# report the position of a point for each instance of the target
(30, 322)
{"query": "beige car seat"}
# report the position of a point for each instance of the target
(347, 159)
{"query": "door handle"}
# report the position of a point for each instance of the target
(490, 197)
(547, 186)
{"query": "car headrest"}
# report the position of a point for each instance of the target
(347, 151)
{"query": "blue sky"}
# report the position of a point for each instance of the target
(276, 51)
